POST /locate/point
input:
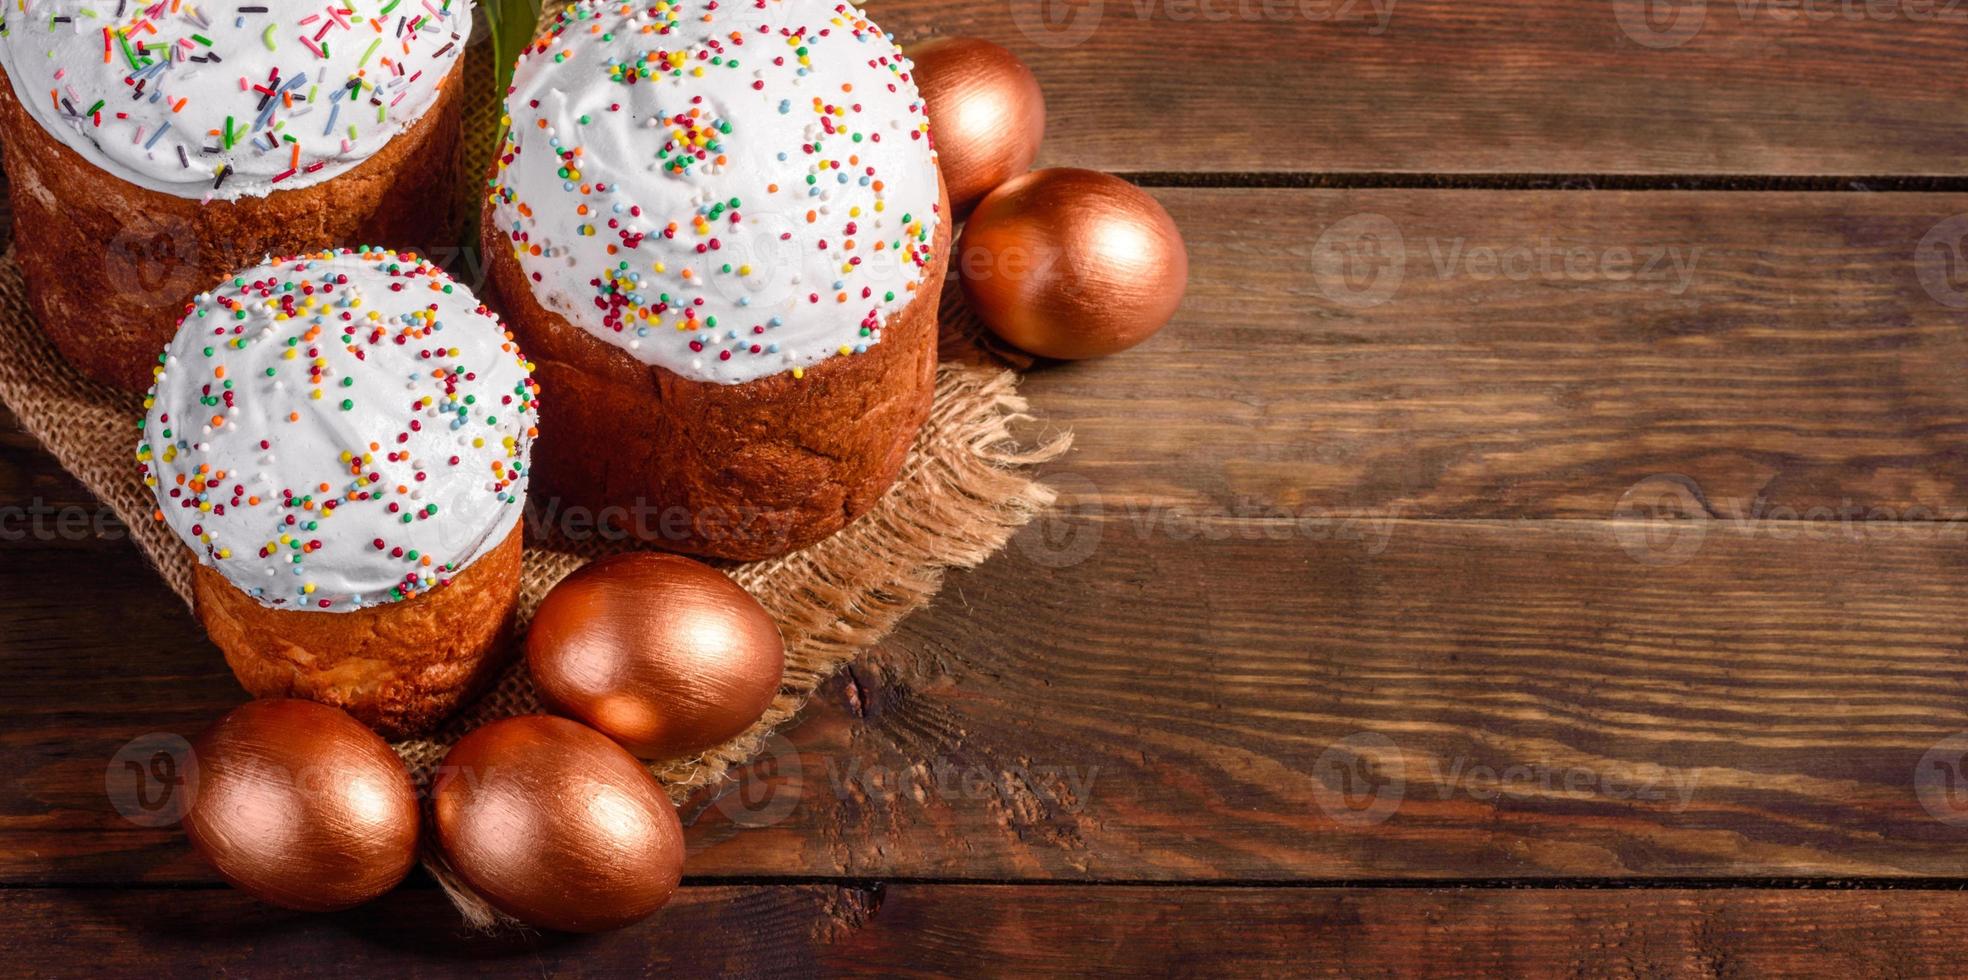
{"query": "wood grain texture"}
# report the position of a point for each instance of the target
(1230, 594)
(1781, 351)
(1115, 700)
(1346, 586)
(1482, 86)
(1535, 354)
(1526, 698)
(927, 930)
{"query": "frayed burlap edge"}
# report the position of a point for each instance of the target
(960, 497)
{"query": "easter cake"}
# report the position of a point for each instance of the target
(720, 231)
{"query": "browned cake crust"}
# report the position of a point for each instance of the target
(400, 668)
(110, 265)
(746, 471)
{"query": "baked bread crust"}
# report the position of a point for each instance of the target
(110, 265)
(400, 668)
(746, 471)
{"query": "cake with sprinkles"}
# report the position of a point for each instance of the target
(176, 140)
(343, 440)
(720, 229)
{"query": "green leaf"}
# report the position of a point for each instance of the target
(512, 23)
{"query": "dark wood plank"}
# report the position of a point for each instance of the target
(1522, 699)
(1796, 360)
(1186, 703)
(1483, 86)
(941, 930)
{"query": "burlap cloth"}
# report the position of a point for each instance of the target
(960, 497)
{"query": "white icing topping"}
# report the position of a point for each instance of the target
(278, 95)
(339, 431)
(728, 189)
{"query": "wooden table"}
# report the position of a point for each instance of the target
(1538, 546)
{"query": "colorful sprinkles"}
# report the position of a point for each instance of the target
(221, 100)
(730, 190)
(340, 430)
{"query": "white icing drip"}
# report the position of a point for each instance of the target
(155, 112)
(801, 141)
(447, 408)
